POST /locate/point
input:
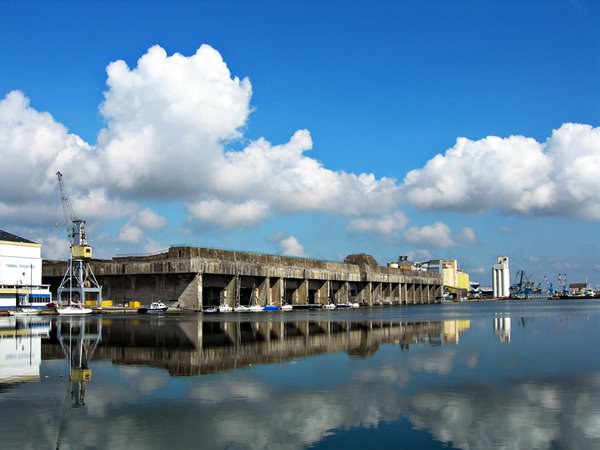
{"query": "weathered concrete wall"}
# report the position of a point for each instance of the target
(199, 277)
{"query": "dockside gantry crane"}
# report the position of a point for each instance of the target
(79, 283)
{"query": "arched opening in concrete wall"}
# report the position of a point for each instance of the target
(145, 287)
(291, 290)
(353, 290)
(247, 294)
(316, 292)
(214, 288)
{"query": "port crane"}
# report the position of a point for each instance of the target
(79, 283)
(562, 287)
(524, 287)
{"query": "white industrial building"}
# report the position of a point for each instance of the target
(21, 272)
(501, 278)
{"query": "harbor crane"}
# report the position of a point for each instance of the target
(79, 283)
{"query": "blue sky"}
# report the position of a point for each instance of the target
(382, 88)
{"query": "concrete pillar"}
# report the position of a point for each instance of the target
(264, 293)
(323, 293)
(300, 295)
(396, 293)
(412, 296)
(342, 294)
(191, 297)
(230, 292)
(364, 294)
(377, 294)
(276, 290)
(387, 293)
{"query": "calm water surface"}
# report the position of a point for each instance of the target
(505, 375)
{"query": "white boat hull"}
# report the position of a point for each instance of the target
(287, 308)
(25, 312)
(72, 310)
(225, 309)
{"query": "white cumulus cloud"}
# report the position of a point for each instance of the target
(130, 234)
(290, 246)
(228, 215)
(439, 235)
(514, 174)
(393, 228)
(146, 219)
(170, 120)
(387, 227)
(150, 220)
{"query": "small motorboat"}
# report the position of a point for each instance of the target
(342, 305)
(355, 305)
(256, 308)
(241, 308)
(225, 308)
(329, 306)
(271, 308)
(154, 308)
(210, 310)
(287, 307)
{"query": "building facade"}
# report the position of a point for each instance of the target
(21, 271)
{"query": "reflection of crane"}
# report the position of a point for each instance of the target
(79, 280)
(78, 338)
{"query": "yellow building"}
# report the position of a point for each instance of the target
(454, 280)
(462, 280)
(449, 268)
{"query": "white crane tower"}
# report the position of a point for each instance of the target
(79, 283)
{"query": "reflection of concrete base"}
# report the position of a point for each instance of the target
(194, 347)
